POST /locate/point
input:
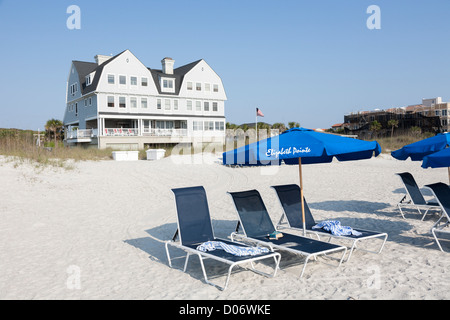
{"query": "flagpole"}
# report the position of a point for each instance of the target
(256, 126)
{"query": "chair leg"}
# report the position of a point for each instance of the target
(436, 238)
(400, 208)
(186, 262)
(384, 242)
(168, 255)
(351, 250)
(304, 266)
(426, 211)
(342, 259)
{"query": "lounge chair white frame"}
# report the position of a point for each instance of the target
(285, 221)
(273, 246)
(412, 203)
(205, 255)
(439, 226)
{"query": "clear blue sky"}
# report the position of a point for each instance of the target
(305, 61)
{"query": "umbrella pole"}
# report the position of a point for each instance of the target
(301, 194)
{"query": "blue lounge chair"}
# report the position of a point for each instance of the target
(195, 229)
(289, 196)
(257, 228)
(416, 199)
(441, 192)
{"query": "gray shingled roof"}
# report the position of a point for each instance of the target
(85, 68)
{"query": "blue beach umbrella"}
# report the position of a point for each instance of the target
(301, 146)
(440, 159)
(418, 150)
(432, 151)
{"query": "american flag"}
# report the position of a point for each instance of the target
(259, 113)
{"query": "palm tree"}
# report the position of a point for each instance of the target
(280, 126)
(54, 126)
(416, 131)
(375, 126)
(393, 124)
(293, 124)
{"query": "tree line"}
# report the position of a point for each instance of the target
(281, 127)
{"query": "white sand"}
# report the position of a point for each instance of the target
(98, 231)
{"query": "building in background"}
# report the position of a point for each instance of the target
(120, 103)
(430, 116)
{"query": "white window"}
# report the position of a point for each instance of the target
(175, 104)
(206, 106)
(198, 86)
(167, 104)
(189, 105)
(216, 88)
(444, 112)
(215, 106)
(144, 82)
(144, 103)
(158, 104)
(90, 101)
(207, 87)
(133, 81)
(88, 80)
(122, 80)
(133, 102)
(198, 106)
(111, 79)
(197, 125)
(437, 112)
(220, 126)
(189, 85)
(122, 102)
(168, 84)
(209, 126)
(160, 124)
(110, 101)
(85, 102)
(146, 125)
(74, 88)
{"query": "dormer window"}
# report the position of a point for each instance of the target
(167, 85)
(89, 78)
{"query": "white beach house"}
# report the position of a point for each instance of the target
(120, 103)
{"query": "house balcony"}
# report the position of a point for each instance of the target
(80, 135)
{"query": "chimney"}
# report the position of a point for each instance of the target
(167, 65)
(101, 58)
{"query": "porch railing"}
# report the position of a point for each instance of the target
(123, 132)
(165, 132)
(81, 134)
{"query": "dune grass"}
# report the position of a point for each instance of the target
(20, 147)
(389, 144)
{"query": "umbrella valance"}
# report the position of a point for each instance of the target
(440, 159)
